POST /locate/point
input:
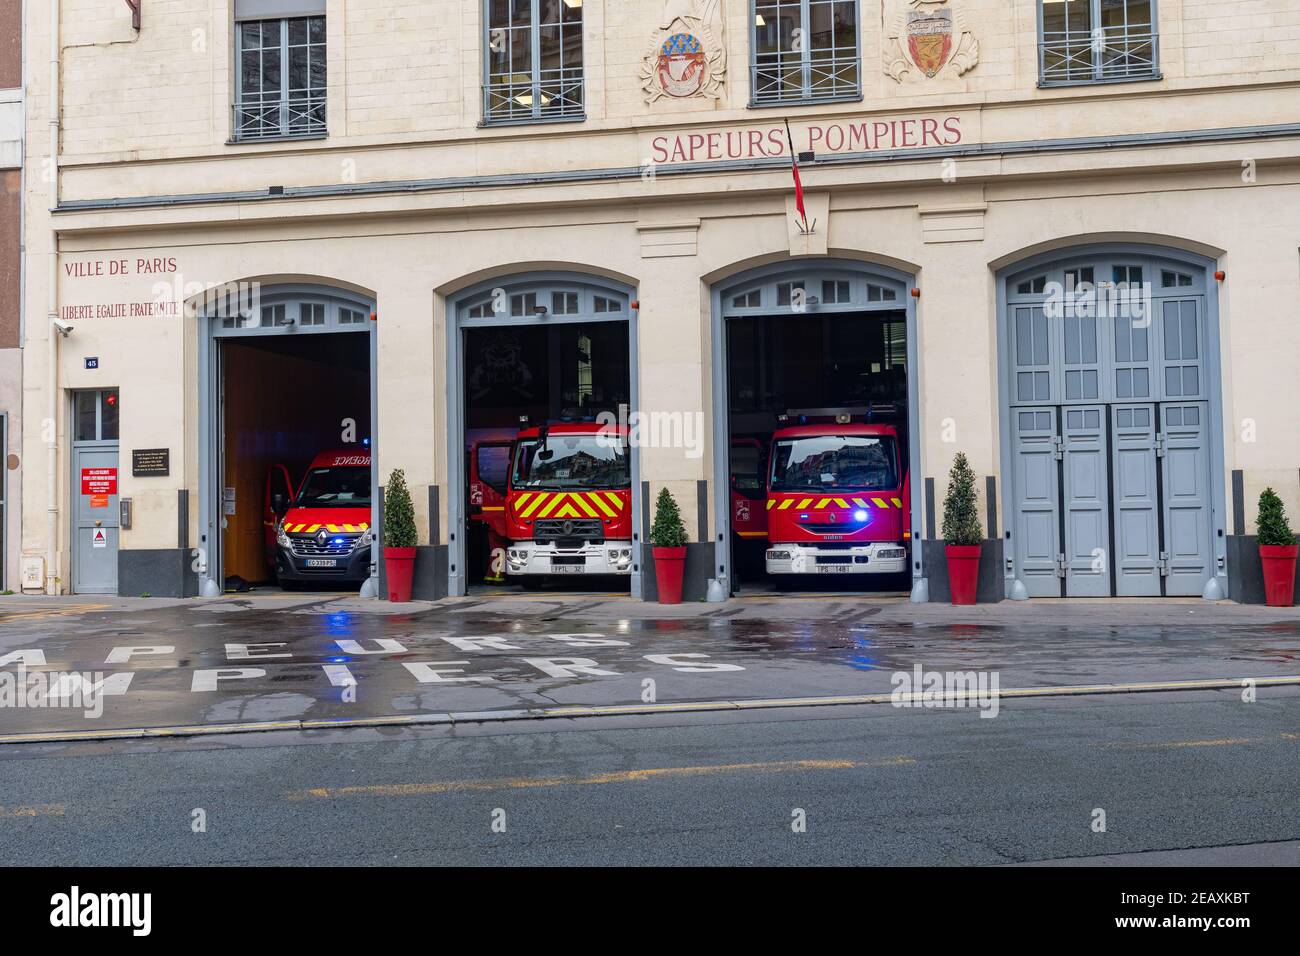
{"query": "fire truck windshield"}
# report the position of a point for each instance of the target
(571, 461)
(335, 488)
(823, 462)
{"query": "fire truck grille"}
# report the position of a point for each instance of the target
(830, 527)
(582, 529)
(309, 546)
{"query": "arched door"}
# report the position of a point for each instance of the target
(1110, 389)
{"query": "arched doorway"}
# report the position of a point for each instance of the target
(522, 351)
(1111, 434)
(286, 375)
(853, 327)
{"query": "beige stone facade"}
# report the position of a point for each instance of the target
(410, 198)
(11, 200)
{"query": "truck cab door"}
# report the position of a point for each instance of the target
(489, 468)
(748, 488)
(276, 499)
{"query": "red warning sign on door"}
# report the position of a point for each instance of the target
(99, 481)
(99, 539)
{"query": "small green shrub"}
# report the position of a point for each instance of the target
(399, 513)
(1271, 525)
(667, 531)
(961, 522)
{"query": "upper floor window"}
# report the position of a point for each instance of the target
(532, 60)
(1097, 41)
(804, 50)
(281, 69)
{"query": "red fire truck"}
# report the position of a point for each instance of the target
(837, 496)
(321, 533)
(568, 501)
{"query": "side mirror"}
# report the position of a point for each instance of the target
(278, 502)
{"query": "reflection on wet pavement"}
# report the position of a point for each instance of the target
(309, 659)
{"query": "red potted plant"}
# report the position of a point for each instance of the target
(668, 541)
(1277, 550)
(962, 533)
(399, 537)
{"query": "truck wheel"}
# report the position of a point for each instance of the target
(287, 585)
(531, 582)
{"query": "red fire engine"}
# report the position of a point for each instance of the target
(837, 496)
(567, 507)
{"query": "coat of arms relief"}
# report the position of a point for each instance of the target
(687, 58)
(930, 38)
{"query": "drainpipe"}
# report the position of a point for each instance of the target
(52, 428)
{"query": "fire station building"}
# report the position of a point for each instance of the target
(1059, 236)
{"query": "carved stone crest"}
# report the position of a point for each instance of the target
(930, 39)
(686, 58)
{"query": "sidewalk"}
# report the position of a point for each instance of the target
(812, 607)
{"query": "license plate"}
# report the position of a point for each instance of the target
(322, 563)
(832, 569)
(568, 568)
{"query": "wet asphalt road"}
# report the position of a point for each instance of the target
(295, 660)
(1187, 778)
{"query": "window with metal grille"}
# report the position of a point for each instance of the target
(1097, 41)
(803, 50)
(281, 78)
(532, 60)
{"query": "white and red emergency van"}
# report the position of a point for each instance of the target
(322, 533)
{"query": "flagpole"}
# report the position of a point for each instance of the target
(798, 182)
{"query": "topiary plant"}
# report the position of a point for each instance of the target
(667, 531)
(1271, 525)
(961, 523)
(399, 513)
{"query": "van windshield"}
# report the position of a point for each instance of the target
(335, 488)
(843, 462)
(571, 461)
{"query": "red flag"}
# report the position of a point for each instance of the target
(794, 168)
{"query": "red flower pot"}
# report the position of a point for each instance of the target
(1279, 573)
(399, 568)
(963, 571)
(670, 564)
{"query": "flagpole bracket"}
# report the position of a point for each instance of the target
(804, 228)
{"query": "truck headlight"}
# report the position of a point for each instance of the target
(367, 538)
(281, 538)
(620, 557)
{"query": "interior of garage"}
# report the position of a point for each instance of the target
(782, 364)
(285, 398)
(533, 374)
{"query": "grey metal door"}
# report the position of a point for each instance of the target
(1185, 450)
(95, 530)
(1137, 501)
(1037, 514)
(1086, 501)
